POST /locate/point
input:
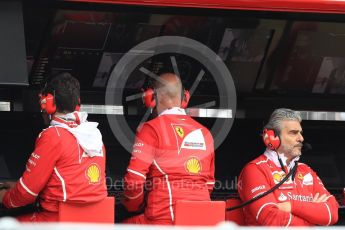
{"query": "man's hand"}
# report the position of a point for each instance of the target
(2, 194)
(10, 184)
(320, 199)
(285, 206)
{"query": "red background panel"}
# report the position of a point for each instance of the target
(318, 6)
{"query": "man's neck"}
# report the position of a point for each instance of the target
(288, 161)
(162, 107)
(287, 158)
(57, 114)
(173, 111)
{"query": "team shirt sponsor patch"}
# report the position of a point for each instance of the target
(138, 144)
(282, 197)
(298, 197)
(193, 140)
(308, 179)
(179, 131)
(35, 155)
(302, 198)
(93, 174)
(32, 161)
(137, 147)
(193, 165)
(278, 176)
(300, 176)
(260, 187)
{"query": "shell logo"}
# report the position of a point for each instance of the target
(277, 177)
(179, 131)
(93, 174)
(193, 165)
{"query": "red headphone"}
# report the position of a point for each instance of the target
(47, 103)
(149, 98)
(77, 107)
(271, 140)
(185, 99)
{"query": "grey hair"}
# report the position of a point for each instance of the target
(280, 115)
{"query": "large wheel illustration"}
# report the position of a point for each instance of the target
(179, 45)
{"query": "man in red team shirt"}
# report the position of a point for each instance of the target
(173, 154)
(68, 162)
(300, 201)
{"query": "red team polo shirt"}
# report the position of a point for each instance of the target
(174, 154)
(263, 173)
(58, 170)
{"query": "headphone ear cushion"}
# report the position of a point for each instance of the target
(271, 140)
(149, 98)
(185, 99)
(48, 103)
(77, 107)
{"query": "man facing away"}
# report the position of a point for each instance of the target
(68, 162)
(300, 201)
(173, 154)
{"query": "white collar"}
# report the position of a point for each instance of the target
(273, 156)
(174, 111)
(71, 119)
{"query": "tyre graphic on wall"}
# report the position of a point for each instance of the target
(174, 47)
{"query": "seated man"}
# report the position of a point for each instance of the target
(172, 153)
(302, 200)
(68, 162)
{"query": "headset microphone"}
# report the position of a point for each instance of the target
(306, 147)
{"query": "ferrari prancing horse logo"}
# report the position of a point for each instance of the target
(179, 131)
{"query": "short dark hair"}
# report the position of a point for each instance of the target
(66, 90)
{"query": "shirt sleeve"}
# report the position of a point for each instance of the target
(253, 182)
(325, 213)
(39, 168)
(143, 153)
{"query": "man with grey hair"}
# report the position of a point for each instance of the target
(302, 200)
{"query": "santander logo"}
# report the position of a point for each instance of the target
(282, 197)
